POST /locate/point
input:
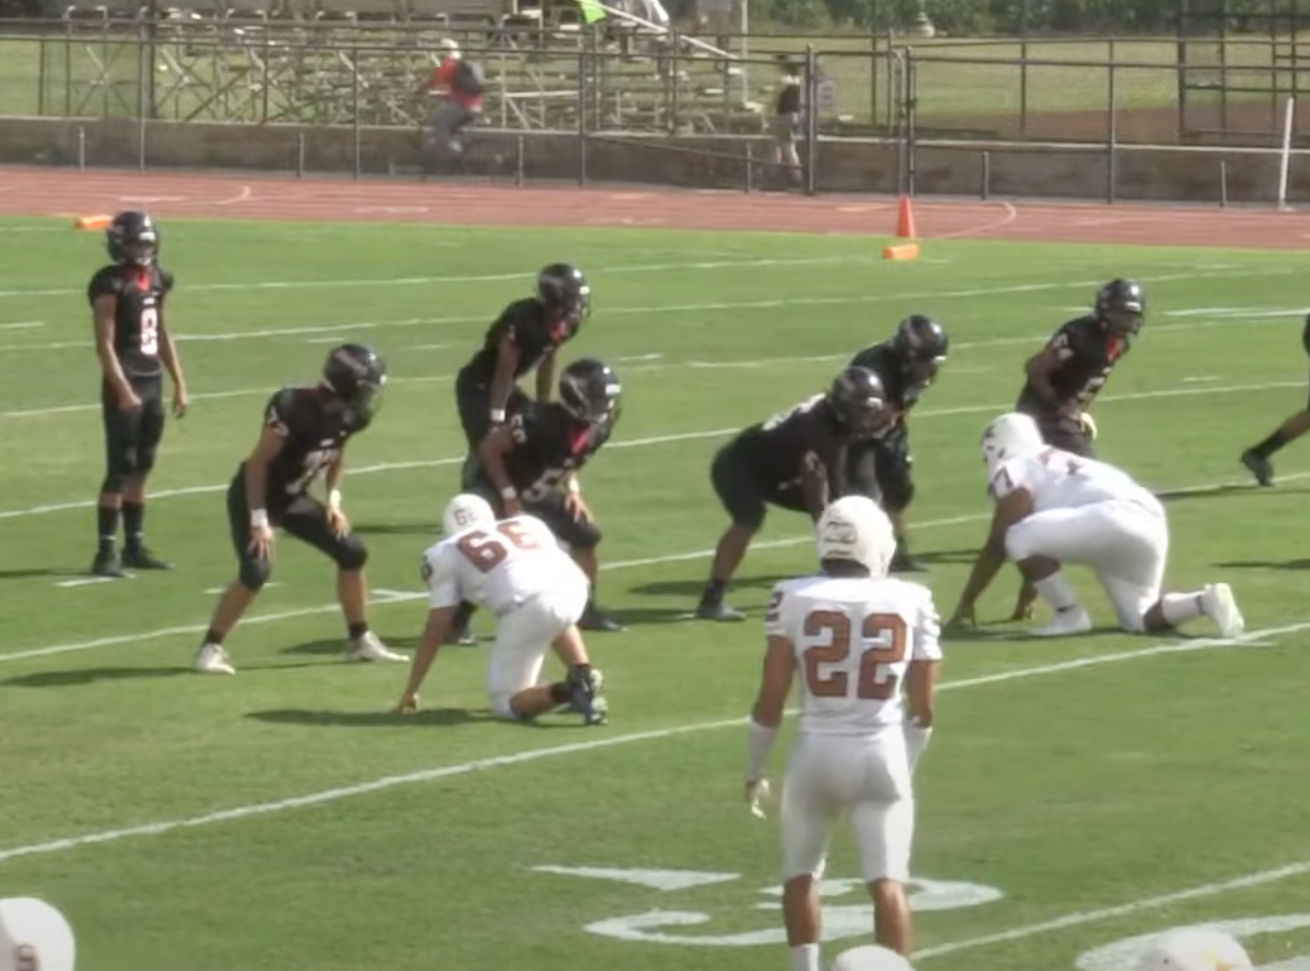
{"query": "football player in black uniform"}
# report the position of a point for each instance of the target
(1065, 376)
(304, 436)
(135, 348)
(524, 337)
(1256, 458)
(906, 365)
(530, 464)
(796, 460)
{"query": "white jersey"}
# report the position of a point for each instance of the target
(854, 639)
(1061, 480)
(499, 566)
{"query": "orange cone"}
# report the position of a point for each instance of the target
(93, 222)
(905, 219)
(904, 252)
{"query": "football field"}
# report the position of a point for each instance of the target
(1077, 794)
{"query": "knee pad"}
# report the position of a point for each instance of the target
(254, 573)
(352, 554)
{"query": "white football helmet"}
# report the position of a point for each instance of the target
(1196, 949)
(1009, 436)
(870, 958)
(34, 934)
(854, 528)
(466, 511)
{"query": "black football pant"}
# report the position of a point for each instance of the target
(474, 407)
(131, 437)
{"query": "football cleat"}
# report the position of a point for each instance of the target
(140, 558)
(212, 659)
(460, 638)
(106, 564)
(718, 610)
(1065, 622)
(1259, 466)
(593, 619)
(370, 648)
(585, 696)
(1218, 603)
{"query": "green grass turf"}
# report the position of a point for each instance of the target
(1067, 791)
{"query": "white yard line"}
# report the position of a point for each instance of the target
(534, 755)
(1257, 879)
(1187, 391)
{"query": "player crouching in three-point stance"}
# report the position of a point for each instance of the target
(1054, 507)
(515, 568)
(304, 436)
(134, 347)
(852, 634)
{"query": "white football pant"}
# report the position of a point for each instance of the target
(523, 636)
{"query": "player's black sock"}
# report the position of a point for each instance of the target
(107, 526)
(713, 593)
(459, 620)
(213, 637)
(356, 631)
(134, 519)
(1271, 444)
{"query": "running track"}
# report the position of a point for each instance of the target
(66, 193)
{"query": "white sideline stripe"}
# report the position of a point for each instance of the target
(669, 439)
(308, 330)
(535, 755)
(1257, 879)
(475, 278)
(22, 325)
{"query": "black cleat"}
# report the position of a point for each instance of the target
(1258, 466)
(717, 610)
(140, 558)
(106, 564)
(594, 619)
(585, 696)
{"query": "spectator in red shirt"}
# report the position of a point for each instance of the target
(460, 85)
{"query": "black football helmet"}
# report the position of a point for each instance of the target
(589, 391)
(1121, 306)
(132, 238)
(921, 344)
(859, 400)
(564, 291)
(356, 375)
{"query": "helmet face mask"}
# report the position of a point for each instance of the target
(1121, 307)
(858, 398)
(564, 291)
(590, 391)
(356, 378)
(132, 239)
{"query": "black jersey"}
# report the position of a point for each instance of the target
(549, 445)
(882, 359)
(140, 293)
(775, 449)
(528, 322)
(1088, 353)
(314, 438)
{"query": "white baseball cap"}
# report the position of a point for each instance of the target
(34, 936)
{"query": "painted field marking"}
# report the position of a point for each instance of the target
(23, 325)
(50, 508)
(535, 755)
(1257, 879)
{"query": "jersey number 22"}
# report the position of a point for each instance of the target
(826, 683)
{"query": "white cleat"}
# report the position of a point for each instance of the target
(212, 659)
(1065, 622)
(1219, 604)
(370, 648)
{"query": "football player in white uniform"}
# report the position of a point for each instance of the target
(852, 635)
(1054, 507)
(515, 568)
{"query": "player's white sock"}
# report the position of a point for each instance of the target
(1055, 590)
(805, 958)
(1179, 608)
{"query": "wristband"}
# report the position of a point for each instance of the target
(497, 416)
(334, 498)
(509, 492)
(258, 518)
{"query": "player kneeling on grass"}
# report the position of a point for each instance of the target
(1054, 507)
(515, 568)
(852, 634)
(304, 436)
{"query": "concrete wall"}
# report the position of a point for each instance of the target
(843, 166)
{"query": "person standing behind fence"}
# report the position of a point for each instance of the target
(787, 124)
(460, 85)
